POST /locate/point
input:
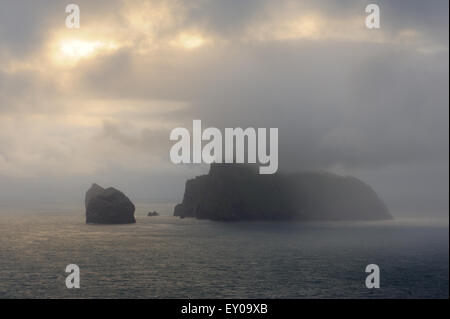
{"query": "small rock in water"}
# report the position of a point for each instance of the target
(152, 214)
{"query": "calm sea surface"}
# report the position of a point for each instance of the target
(168, 257)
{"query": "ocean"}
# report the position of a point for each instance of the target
(168, 257)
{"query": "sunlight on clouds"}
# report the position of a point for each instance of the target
(149, 24)
(313, 26)
(71, 51)
(76, 49)
(189, 40)
(77, 135)
(149, 18)
(305, 26)
(308, 27)
(64, 118)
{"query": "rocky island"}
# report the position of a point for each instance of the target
(232, 192)
(108, 206)
(152, 214)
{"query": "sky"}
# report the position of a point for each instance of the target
(97, 104)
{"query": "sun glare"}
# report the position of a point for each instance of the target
(71, 51)
(79, 49)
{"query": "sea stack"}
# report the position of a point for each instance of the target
(108, 206)
(232, 192)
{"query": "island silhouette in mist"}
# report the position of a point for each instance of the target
(234, 192)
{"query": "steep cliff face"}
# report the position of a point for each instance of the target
(237, 192)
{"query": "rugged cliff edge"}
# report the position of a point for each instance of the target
(108, 206)
(237, 192)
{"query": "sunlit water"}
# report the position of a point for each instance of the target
(168, 257)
